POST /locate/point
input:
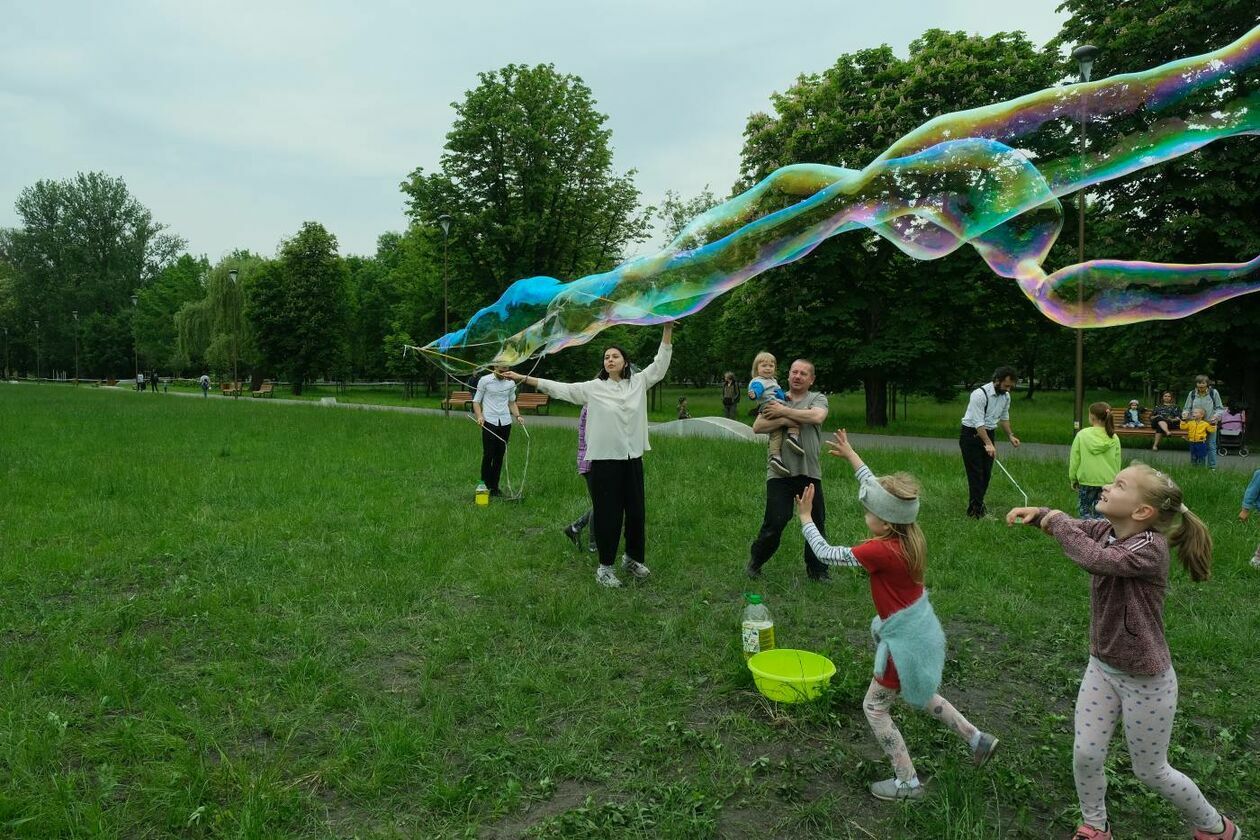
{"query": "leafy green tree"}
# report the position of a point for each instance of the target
(179, 283)
(861, 310)
(213, 330)
(300, 308)
(84, 244)
(1198, 208)
(528, 180)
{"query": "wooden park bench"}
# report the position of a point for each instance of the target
(264, 390)
(1145, 430)
(458, 399)
(535, 401)
(230, 389)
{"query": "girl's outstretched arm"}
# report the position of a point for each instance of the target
(832, 555)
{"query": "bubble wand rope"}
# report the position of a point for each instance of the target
(1013, 481)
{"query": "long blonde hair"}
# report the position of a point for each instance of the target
(913, 543)
(1191, 538)
(761, 357)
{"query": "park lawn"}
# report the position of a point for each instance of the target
(227, 621)
(1047, 418)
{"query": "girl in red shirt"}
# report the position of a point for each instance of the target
(894, 557)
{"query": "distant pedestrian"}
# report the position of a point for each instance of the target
(988, 408)
(139, 381)
(204, 382)
(730, 395)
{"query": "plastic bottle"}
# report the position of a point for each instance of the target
(482, 495)
(756, 627)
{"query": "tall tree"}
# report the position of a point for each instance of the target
(1199, 208)
(182, 282)
(300, 308)
(84, 244)
(863, 311)
(528, 179)
(213, 330)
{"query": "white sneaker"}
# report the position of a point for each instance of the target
(634, 567)
(605, 576)
(1255, 561)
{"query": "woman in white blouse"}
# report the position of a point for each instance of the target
(616, 438)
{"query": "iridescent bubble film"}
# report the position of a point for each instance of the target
(966, 178)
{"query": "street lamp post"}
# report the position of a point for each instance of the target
(236, 385)
(75, 314)
(445, 221)
(135, 343)
(37, 359)
(1084, 56)
(6, 352)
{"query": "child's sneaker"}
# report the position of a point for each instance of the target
(1230, 832)
(1255, 560)
(984, 749)
(778, 467)
(634, 567)
(892, 790)
(793, 442)
(1088, 832)
(574, 535)
(605, 576)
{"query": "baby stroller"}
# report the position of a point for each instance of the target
(1231, 434)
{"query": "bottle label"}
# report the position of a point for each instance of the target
(757, 636)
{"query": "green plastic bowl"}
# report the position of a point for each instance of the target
(790, 676)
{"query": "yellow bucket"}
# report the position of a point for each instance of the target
(790, 676)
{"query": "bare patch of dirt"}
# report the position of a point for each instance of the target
(568, 794)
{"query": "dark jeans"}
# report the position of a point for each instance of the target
(781, 496)
(979, 470)
(617, 501)
(1087, 501)
(493, 446)
(728, 409)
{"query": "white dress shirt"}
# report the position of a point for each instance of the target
(495, 394)
(987, 407)
(616, 412)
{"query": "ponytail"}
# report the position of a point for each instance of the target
(1102, 411)
(1193, 542)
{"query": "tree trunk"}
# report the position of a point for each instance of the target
(875, 385)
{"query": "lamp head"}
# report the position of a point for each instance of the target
(1085, 55)
(232, 272)
(445, 221)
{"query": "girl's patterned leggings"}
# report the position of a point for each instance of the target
(879, 700)
(1147, 706)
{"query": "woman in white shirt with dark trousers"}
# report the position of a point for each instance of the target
(616, 438)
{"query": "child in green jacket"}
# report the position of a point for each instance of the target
(1095, 459)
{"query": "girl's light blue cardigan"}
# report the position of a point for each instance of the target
(914, 638)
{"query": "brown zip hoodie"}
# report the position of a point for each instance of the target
(1126, 592)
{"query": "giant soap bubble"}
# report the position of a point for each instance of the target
(962, 178)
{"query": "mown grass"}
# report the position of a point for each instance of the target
(229, 621)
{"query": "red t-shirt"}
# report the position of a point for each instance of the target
(892, 588)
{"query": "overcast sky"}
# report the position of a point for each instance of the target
(234, 122)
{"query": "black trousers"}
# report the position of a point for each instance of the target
(617, 501)
(781, 496)
(979, 468)
(494, 441)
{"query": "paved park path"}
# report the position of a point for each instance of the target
(1041, 451)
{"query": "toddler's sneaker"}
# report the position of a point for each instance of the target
(892, 790)
(1255, 560)
(1088, 832)
(634, 567)
(574, 535)
(793, 442)
(984, 750)
(778, 467)
(605, 576)
(1230, 832)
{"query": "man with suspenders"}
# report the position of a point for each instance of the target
(988, 408)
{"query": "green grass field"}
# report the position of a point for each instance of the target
(238, 621)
